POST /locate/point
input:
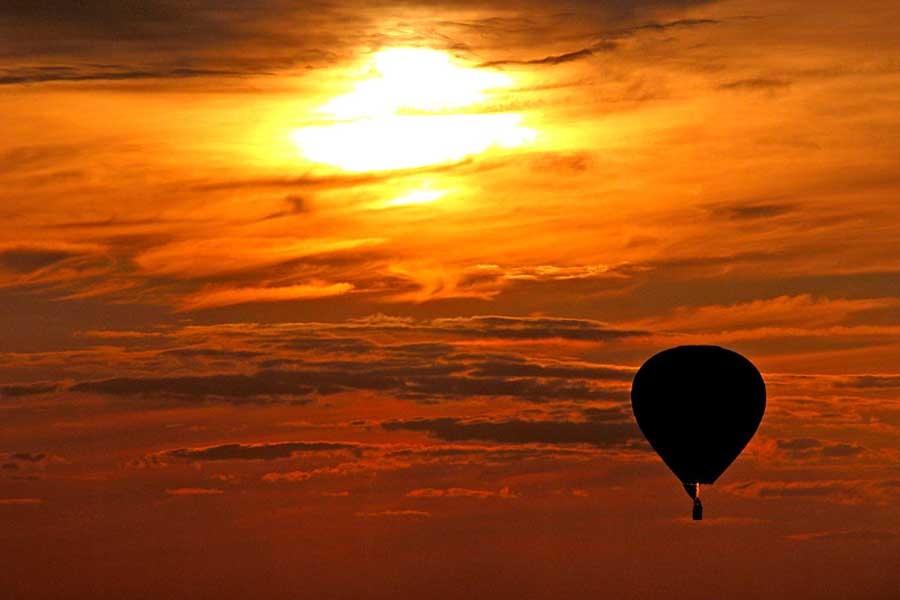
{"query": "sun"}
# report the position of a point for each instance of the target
(418, 108)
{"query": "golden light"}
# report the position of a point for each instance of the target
(420, 196)
(388, 121)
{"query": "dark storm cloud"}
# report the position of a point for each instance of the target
(515, 431)
(272, 451)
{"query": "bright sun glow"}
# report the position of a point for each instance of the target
(420, 196)
(389, 121)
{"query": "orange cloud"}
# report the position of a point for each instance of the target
(191, 491)
(232, 296)
(193, 259)
(461, 493)
(416, 514)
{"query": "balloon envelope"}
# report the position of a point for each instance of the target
(698, 406)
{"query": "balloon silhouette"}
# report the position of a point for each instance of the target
(698, 406)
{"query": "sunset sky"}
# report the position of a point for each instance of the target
(344, 299)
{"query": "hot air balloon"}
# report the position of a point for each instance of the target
(698, 406)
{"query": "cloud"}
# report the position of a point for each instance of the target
(678, 24)
(32, 457)
(608, 44)
(461, 493)
(869, 382)
(522, 328)
(229, 386)
(28, 465)
(198, 259)
(162, 39)
(552, 369)
(846, 535)
(793, 489)
(20, 501)
(795, 314)
(415, 514)
(800, 444)
(309, 360)
(208, 352)
(804, 448)
(323, 345)
(296, 205)
(266, 451)
(28, 259)
(35, 157)
(756, 83)
(232, 296)
(747, 212)
(329, 181)
(516, 431)
(532, 390)
(73, 74)
(547, 60)
(51, 264)
(192, 491)
(407, 334)
(380, 458)
(842, 491)
(842, 450)
(28, 389)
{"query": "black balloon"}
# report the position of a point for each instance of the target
(698, 406)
